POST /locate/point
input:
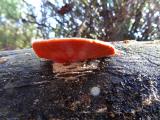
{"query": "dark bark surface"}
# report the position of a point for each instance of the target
(126, 86)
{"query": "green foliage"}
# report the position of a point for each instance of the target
(13, 33)
(9, 9)
(13, 36)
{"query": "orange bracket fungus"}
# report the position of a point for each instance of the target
(64, 50)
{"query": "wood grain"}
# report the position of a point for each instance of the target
(129, 84)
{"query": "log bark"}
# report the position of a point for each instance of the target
(126, 86)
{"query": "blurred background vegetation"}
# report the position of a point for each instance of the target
(108, 20)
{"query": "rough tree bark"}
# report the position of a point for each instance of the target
(123, 87)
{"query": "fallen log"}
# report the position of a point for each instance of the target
(126, 86)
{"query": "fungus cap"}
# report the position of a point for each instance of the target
(63, 50)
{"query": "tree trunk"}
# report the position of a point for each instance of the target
(126, 86)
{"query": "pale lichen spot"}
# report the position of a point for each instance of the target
(95, 91)
(28, 54)
(3, 60)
